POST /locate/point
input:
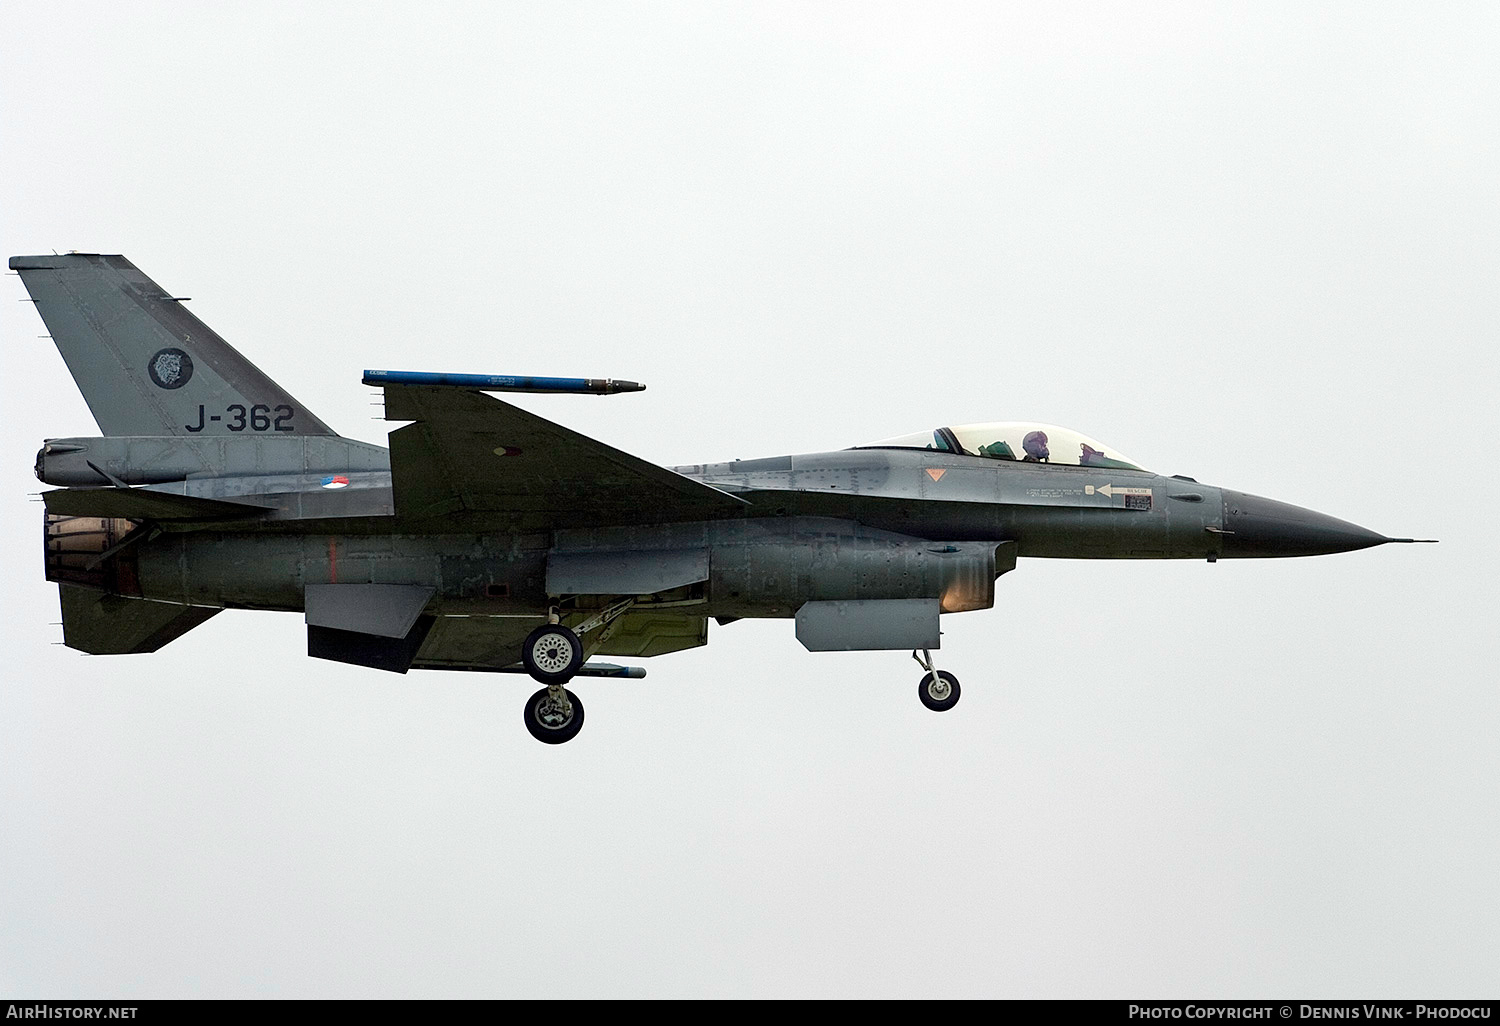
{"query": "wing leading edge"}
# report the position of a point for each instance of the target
(471, 460)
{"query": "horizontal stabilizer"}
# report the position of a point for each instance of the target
(471, 455)
(103, 624)
(145, 504)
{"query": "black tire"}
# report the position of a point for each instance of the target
(943, 696)
(552, 654)
(544, 723)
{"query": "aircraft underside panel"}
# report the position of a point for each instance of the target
(641, 635)
(771, 566)
(625, 572)
(493, 642)
(475, 642)
(759, 579)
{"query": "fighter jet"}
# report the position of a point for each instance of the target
(489, 539)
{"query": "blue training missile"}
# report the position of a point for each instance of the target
(503, 382)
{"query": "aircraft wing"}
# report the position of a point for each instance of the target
(471, 460)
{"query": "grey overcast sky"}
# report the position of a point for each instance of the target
(1253, 242)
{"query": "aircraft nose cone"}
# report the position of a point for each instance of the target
(1265, 527)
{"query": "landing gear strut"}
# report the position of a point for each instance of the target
(553, 655)
(938, 689)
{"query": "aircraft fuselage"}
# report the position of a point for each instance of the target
(851, 524)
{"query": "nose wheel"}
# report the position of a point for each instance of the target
(938, 689)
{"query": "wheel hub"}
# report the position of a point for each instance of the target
(552, 654)
(554, 713)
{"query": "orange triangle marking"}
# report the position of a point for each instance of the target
(934, 473)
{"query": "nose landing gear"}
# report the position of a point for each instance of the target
(938, 689)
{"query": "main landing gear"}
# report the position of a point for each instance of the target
(938, 689)
(554, 715)
(553, 654)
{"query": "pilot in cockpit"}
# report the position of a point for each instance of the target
(1035, 444)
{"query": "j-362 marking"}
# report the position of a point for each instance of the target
(257, 418)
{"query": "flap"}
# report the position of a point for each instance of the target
(385, 610)
(618, 572)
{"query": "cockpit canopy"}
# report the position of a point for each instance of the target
(1020, 441)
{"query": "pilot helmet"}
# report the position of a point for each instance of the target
(1035, 444)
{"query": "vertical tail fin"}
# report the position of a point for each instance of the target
(145, 365)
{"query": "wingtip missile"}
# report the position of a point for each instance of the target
(503, 382)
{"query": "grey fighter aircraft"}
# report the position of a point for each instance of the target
(489, 539)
